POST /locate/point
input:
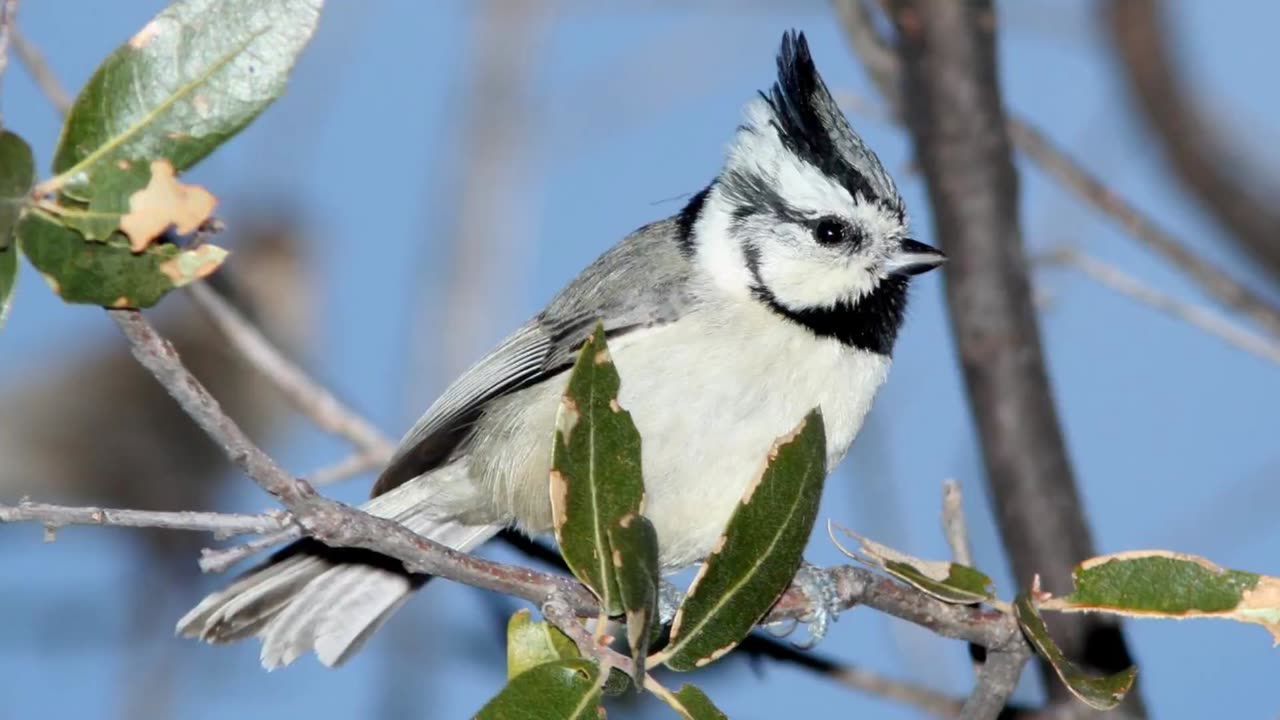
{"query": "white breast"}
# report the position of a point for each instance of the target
(710, 395)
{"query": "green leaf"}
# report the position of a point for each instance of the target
(759, 553)
(109, 274)
(693, 704)
(188, 81)
(17, 175)
(530, 644)
(946, 581)
(635, 563)
(568, 689)
(1101, 693)
(595, 470)
(1155, 583)
(110, 201)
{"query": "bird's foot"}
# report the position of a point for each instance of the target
(824, 598)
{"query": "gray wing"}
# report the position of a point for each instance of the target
(640, 282)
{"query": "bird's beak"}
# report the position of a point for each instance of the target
(913, 258)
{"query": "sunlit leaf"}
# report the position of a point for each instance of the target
(530, 644)
(1156, 583)
(635, 562)
(566, 689)
(1102, 693)
(759, 553)
(17, 174)
(110, 274)
(190, 79)
(595, 470)
(693, 704)
(946, 581)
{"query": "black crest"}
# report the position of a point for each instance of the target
(811, 125)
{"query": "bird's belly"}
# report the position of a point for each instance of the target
(708, 407)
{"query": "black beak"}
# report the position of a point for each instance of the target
(913, 258)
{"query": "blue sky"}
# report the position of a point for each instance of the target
(629, 109)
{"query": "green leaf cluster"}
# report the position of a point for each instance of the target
(189, 80)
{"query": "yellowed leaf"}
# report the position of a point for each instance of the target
(191, 265)
(163, 202)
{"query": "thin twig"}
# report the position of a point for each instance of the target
(996, 682)
(1200, 318)
(875, 51)
(353, 464)
(308, 396)
(40, 72)
(220, 524)
(953, 523)
(216, 560)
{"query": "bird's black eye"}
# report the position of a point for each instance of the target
(830, 231)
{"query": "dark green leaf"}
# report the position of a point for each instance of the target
(111, 193)
(595, 470)
(693, 704)
(567, 689)
(530, 644)
(759, 553)
(109, 274)
(946, 581)
(17, 175)
(635, 562)
(1156, 583)
(1102, 693)
(194, 76)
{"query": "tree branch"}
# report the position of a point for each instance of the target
(220, 524)
(874, 52)
(956, 118)
(1202, 157)
(309, 397)
(996, 682)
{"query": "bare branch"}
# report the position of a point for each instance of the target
(216, 560)
(220, 524)
(1202, 155)
(996, 682)
(873, 50)
(954, 526)
(39, 70)
(1198, 317)
(1222, 287)
(308, 396)
(956, 117)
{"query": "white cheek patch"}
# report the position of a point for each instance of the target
(718, 252)
(800, 279)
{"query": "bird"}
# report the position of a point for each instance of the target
(779, 287)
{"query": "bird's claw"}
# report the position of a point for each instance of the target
(824, 601)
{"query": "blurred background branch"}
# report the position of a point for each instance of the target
(1215, 168)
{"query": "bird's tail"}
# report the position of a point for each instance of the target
(313, 597)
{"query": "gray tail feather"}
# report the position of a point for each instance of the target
(313, 597)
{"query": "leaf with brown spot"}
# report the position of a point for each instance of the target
(946, 581)
(194, 76)
(109, 273)
(595, 470)
(635, 563)
(165, 201)
(693, 704)
(761, 551)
